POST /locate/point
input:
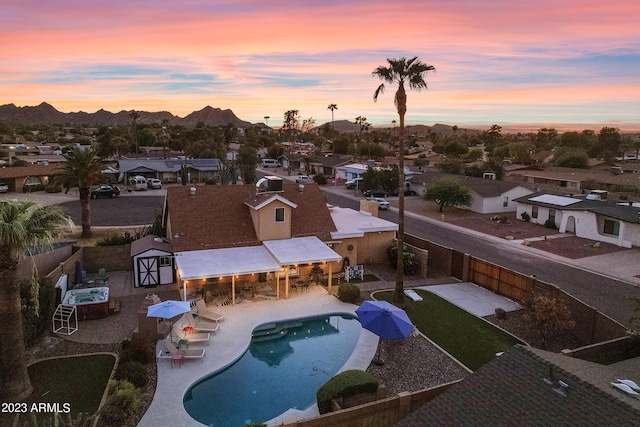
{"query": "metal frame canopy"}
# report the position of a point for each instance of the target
(271, 256)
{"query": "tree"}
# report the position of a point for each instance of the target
(247, 161)
(608, 144)
(81, 170)
(548, 317)
(448, 191)
(332, 107)
(23, 225)
(412, 72)
(134, 116)
(571, 158)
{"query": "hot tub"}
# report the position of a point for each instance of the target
(91, 303)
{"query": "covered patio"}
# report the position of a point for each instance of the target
(221, 272)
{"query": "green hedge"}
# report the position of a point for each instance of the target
(349, 292)
(347, 383)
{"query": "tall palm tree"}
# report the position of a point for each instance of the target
(23, 225)
(411, 72)
(81, 170)
(134, 116)
(332, 107)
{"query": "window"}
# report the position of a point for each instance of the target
(552, 215)
(534, 212)
(279, 214)
(505, 202)
(611, 227)
(165, 261)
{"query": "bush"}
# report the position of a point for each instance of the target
(347, 383)
(138, 349)
(121, 404)
(411, 264)
(525, 217)
(134, 372)
(348, 292)
(550, 223)
(36, 314)
(320, 179)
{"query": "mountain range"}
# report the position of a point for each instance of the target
(47, 114)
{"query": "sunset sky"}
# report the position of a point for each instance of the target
(519, 64)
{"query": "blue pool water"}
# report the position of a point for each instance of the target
(283, 368)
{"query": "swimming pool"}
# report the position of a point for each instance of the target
(283, 368)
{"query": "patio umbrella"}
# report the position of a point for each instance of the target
(385, 320)
(77, 275)
(168, 309)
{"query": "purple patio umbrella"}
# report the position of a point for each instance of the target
(385, 320)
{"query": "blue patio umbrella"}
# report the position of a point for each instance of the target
(168, 309)
(77, 275)
(385, 320)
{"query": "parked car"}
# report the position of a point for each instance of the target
(304, 179)
(4, 188)
(270, 163)
(382, 203)
(375, 192)
(105, 190)
(154, 183)
(354, 183)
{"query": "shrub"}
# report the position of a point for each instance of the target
(122, 402)
(347, 383)
(320, 179)
(138, 349)
(411, 264)
(124, 238)
(550, 223)
(349, 292)
(525, 217)
(38, 306)
(134, 372)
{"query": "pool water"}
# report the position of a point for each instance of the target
(284, 366)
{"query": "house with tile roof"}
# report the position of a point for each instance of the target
(599, 220)
(488, 195)
(531, 387)
(21, 178)
(170, 170)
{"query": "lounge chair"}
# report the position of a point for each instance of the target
(201, 325)
(198, 338)
(202, 311)
(102, 278)
(191, 353)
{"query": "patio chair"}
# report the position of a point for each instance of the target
(198, 338)
(201, 325)
(102, 278)
(202, 311)
(192, 353)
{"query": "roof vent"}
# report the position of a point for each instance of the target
(562, 388)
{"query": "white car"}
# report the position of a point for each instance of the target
(354, 183)
(382, 203)
(4, 188)
(154, 183)
(304, 179)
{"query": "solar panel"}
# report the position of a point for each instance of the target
(554, 200)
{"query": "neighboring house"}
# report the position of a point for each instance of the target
(37, 176)
(530, 387)
(351, 171)
(152, 259)
(489, 195)
(169, 170)
(618, 224)
(326, 165)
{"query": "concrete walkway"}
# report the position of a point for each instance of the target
(472, 298)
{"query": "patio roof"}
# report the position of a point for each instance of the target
(274, 254)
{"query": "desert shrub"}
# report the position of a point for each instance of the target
(320, 179)
(117, 239)
(121, 404)
(548, 317)
(347, 383)
(134, 372)
(525, 217)
(349, 292)
(550, 223)
(138, 349)
(411, 264)
(38, 304)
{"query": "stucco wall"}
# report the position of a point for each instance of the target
(109, 257)
(264, 222)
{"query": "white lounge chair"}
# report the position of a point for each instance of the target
(202, 311)
(201, 325)
(197, 338)
(191, 353)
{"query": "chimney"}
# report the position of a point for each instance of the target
(369, 206)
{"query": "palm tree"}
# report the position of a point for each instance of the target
(412, 72)
(23, 225)
(134, 116)
(332, 107)
(81, 170)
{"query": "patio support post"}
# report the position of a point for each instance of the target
(286, 282)
(329, 279)
(184, 290)
(233, 290)
(277, 273)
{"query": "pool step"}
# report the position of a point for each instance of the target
(273, 330)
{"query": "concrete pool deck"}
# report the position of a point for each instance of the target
(230, 342)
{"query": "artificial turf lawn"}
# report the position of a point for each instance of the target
(79, 381)
(469, 339)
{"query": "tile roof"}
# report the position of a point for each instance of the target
(217, 217)
(511, 390)
(149, 242)
(25, 171)
(168, 165)
(484, 187)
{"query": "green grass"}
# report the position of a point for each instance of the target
(469, 339)
(79, 381)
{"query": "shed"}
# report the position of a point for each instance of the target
(153, 262)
